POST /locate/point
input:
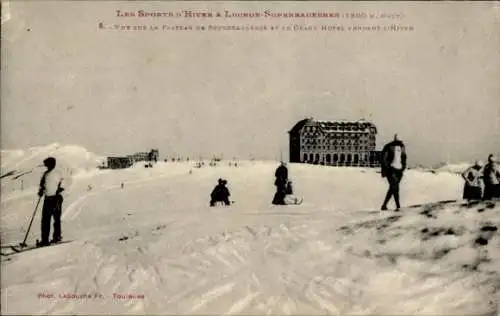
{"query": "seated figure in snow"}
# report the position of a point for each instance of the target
(220, 193)
(289, 197)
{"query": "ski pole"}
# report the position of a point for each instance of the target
(23, 244)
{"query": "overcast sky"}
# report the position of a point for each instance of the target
(237, 93)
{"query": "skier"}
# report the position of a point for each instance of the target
(289, 197)
(51, 185)
(281, 175)
(220, 193)
(491, 178)
(393, 163)
(473, 184)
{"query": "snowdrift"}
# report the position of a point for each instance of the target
(72, 156)
(22, 169)
(432, 252)
(454, 168)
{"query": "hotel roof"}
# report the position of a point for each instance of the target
(336, 126)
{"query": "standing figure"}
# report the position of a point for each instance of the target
(281, 175)
(51, 185)
(491, 178)
(393, 163)
(473, 185)
(220, 193)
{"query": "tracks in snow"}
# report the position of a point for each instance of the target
(251, 268)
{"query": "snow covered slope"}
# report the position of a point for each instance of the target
(155, 247)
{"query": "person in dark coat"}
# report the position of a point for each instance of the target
(281, 175)
(491, 179)
(473, 185)
(393, 164)
(51, 186)
(220, 193)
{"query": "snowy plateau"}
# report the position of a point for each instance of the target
(156, 247)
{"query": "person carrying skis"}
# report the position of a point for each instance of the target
(281, 175)
(473, 185)
(491, 178)
(220, 193)
(393, 163)
(51, 186)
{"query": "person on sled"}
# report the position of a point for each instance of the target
(220, 193)
(290, 198)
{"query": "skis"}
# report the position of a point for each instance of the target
(20, 249)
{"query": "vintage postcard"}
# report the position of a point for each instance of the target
(250, 158)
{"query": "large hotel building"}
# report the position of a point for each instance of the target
(335, 143)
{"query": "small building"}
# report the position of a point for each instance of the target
(139, 156)
(128, 161)
(334, 143)
(150, 156)
(119, 162)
